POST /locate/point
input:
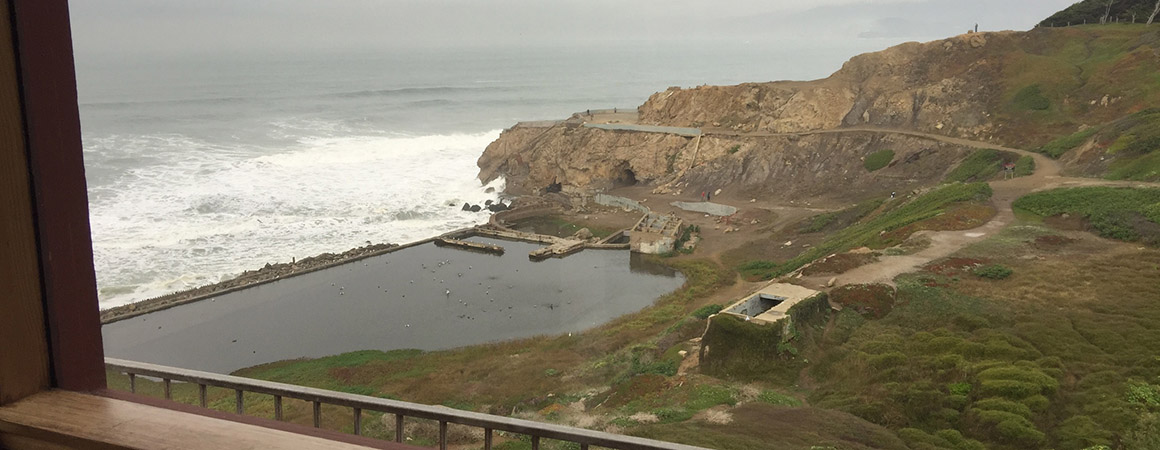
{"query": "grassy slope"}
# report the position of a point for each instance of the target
(1073, 69)
(1118, 213)
(891, 224)
(1059, 355)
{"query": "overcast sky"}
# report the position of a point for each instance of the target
(146, 26)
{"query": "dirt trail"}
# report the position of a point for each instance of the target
(944, 243)
(1047, 175)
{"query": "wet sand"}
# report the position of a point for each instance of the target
(422, 297)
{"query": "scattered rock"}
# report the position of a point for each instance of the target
(583, 234)
(683, 353)
(832, 282)
(643, 417)
(466, 207)
(753, 200)
(475, 208)
(787, 244)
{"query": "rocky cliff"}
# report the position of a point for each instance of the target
(1019, 89)
(943, 86)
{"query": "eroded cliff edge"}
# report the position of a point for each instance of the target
(808, 139)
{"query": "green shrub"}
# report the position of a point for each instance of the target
(1031, 98)
(887, 360)
(959, 441)
(777, 398)
(672, 415)
(734, 149)
(980, 165)
(1037, 403)
(1024, 166)
(1011, 427)
(1002, 404)
(878, 160)
(993, 271)
(705, 311)
(819, 222)
(1064, 144)
(1144, 394)
(709, 395)
(764, 270)
(1111, 211)
(960, 388)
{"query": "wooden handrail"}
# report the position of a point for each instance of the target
(360, 403)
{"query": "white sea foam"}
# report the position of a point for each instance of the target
(210, 211)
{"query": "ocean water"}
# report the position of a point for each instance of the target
(200, 166)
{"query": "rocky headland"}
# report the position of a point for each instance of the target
(930, 103)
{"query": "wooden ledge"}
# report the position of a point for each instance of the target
(63, 419)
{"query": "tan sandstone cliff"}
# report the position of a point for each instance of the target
(761, 138)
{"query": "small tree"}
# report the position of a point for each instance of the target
(1107, 12)
(1155, 10)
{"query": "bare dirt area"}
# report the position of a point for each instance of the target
(749, 227)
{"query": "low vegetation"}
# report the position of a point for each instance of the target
(985, 164)
(1091, 11)
(878, 160)
(876, 231)
(1031, 98)
(563, 227)
(1058, 357)
(1064, 144)
(840, 219)
(1127, 214)
(993, 271)
(1024, 166)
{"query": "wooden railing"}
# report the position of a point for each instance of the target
(401, 410)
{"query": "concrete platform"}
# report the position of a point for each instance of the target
(770, 303)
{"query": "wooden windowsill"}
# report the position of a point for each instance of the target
(63, 419)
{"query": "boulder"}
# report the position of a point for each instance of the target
(583, 234)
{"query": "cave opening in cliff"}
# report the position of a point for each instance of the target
(626, 178)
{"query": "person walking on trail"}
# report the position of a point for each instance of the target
(708, 195)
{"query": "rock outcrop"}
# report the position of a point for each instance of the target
(943, 86)
(1018, 89)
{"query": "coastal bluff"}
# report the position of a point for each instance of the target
(932, 104)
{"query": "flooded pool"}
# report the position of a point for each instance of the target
(423, 297)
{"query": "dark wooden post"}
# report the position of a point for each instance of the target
(56, 166)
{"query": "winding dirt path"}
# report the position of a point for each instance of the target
(944, 243)
(1047, 175)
